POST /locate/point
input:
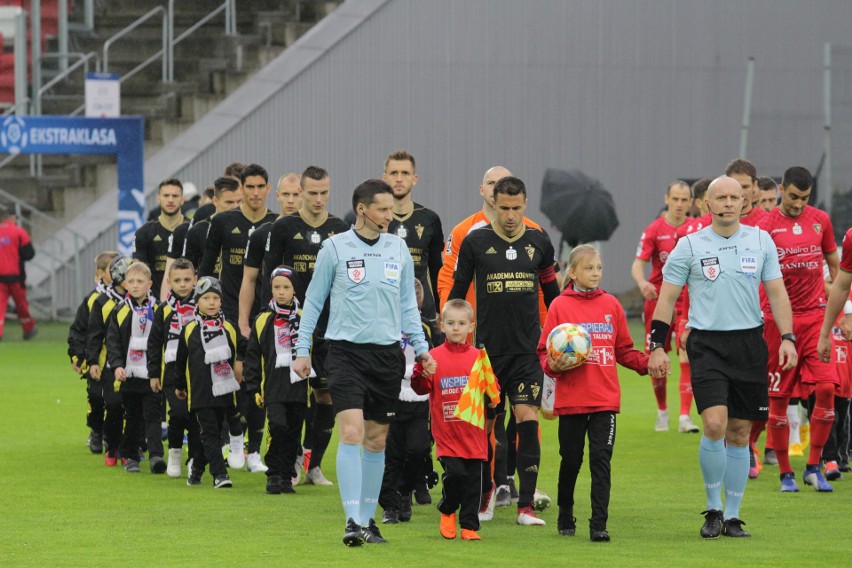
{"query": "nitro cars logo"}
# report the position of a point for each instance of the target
(14, 136)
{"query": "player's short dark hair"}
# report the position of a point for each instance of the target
(699, 188)
(234, 169)
(171, 181)
(401, 155)
(315, 173)
(799, 177)
(743, 167)
(510, 185)
(181, 264)
(254, 170)
(210, 191)
(676, 183)
(366, 192)
(765, 183)
(224, 184)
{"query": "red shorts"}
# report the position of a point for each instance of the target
(810, 370)
(841, 351)
(650, 306)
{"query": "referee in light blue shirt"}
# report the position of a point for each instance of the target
(724, 265)
(370, 277)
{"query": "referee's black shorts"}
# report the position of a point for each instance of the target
(729, 369)
(365, 376)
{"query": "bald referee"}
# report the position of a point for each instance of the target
(724, 265)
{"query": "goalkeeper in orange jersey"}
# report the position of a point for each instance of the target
(461, 441)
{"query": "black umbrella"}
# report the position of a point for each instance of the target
(578, 206)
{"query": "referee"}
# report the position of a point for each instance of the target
(369, 275)
(724, 265)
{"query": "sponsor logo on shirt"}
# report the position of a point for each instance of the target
(236, 231)
(491, 251)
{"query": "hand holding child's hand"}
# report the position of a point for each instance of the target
(430, 366)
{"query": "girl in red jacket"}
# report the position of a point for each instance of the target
(588, 397)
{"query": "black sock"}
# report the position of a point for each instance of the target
(500, 451)
(529, 456)
(323, 426)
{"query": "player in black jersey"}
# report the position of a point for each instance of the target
(229, 233)
(152, 238)
(418, 226)
(507, 262)
(295, 241)
(227, 196)
(289, 197)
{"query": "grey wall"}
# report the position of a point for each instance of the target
(635, 93)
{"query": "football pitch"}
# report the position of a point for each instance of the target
(60, 506)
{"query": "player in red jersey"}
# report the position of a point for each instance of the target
(839, 307)
(768, 193)
(655, 244)
(804, 237)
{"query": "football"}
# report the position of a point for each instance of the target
(570, 339)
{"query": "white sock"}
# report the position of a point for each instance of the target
(793, 421)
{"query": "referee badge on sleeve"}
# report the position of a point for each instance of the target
(710, 267)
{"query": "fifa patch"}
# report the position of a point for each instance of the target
(710, 267)
(392, 270)
(748, 264)
(356, 271)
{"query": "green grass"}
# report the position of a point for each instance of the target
(59, 505)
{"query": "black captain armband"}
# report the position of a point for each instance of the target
(659, 331)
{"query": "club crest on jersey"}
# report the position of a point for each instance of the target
(356, 271)
(797, 229)
(710, 267)
(392, 271)
(401, 232)
(419, 230)
(314, 237)
(511, 254)
(817, 228)
(530, 251)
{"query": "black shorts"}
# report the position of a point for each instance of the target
(519, 377)
(367, 377)
(729, 369)
(319, 353)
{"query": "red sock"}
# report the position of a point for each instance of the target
(821, 421)
(685, 389)
(757, 428)
(660, 392)
(778, 432)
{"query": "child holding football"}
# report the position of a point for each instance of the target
(588, 396)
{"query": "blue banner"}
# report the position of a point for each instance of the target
(122, 137)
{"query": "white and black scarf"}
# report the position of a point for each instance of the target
(286, 328)
(184, 312)
(217, 352)
(140, 327)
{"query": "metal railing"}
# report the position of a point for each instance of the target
(164, 52)
(52, 253)
(230, 9)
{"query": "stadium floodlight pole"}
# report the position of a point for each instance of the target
(747, 107)
(825, 181)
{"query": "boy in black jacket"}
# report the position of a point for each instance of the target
(207, 364)
(77, 352)
(170, 318)
(269, 357)
(96, 357)
(127, 348)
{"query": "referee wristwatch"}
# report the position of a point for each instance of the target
(654, 345)
(789, 337)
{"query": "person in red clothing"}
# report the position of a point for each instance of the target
(746, 175)
(15, 249)
(461, 447)
(589, 396)
(803, 237)
(655, 244)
